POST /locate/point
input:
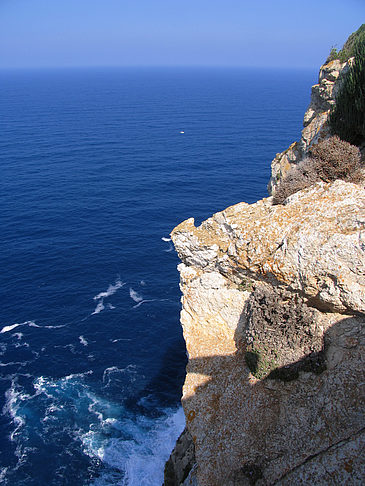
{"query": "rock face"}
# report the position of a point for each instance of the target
(181, 461)
(273, 318)
(315, 120)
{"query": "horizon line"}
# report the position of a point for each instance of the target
(152, 66)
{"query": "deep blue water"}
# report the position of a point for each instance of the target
(94, 173)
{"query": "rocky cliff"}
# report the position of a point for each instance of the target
(273, 314)
(323, 97)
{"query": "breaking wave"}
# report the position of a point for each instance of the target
(122, 446)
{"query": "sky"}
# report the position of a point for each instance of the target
(261, 33)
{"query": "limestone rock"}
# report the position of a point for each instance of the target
(314, 245)
(181, 461)
(285, 286)
(315, 120)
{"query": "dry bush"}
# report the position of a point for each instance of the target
(298, 178)
(329, 160)
(335, 159)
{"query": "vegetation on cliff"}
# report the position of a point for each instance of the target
(329, 160)
(347, 118)
(336, 157)
(350, 46)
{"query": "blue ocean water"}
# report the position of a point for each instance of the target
(95, 174)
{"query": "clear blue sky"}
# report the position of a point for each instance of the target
(57, 33)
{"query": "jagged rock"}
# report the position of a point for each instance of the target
(287, 283)
(181, 461)
(314, 244)
(315, 120)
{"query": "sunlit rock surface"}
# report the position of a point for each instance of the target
(272, 313)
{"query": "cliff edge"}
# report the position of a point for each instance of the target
(273, 314)
(315, 122)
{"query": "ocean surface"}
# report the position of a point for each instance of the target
(97, 167)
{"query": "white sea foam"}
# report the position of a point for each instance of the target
(10, 328)
(110, 290)
(100, 307)
(168, 240)
(47, 386)
(27, 323)
(14, 326)
(143, 301)
(83, 341)
(13, 363)
(18, 344)
(77, 375)
(135, 295)
(110, 375)
(33, 324)
(3, 472)
(107, 293)
(143, 283)
(133, 449)
(21, 345)
(13, 399)
(142, 457)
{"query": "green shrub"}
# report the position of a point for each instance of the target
(261, 362)
(347, 117)
(329, 160)
(334, 54)
(349, 47)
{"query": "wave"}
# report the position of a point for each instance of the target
(120, 339)
(30, 324)
(14, 326)
(143, 301)
(13, 400)
(168, 240)
(14, 363)
(83, 341)
(110, 290)
(135, 295)
(142, 455)
(114, 375)
(21, 345)
(100, 307)
(127, 448)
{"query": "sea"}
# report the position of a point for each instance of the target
(97, 167)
